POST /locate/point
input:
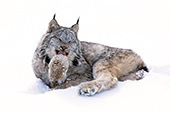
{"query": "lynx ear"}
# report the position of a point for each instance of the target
(53, 25)
(75, 27)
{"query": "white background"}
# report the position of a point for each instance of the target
(141, 25)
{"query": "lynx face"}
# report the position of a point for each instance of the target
(61, 40)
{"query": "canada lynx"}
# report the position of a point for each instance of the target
(61, 61)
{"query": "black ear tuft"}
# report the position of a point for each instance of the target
(53, 25)
(75, 27)
(54, 16)
(78, 20)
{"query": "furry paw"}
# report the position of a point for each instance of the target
(139, 75)
(57, 70)
(88, 89)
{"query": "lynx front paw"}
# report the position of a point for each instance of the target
(88, 89)
(57, 70)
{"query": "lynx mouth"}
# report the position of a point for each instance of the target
(61, 52)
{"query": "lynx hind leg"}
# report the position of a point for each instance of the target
(137, 75)
(57, 70)
(103, 80)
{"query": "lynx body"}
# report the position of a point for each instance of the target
(61, 61)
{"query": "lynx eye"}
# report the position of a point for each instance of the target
(75, 41)
(60, 39)
(69, 41)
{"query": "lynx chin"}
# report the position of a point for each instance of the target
(61, 60)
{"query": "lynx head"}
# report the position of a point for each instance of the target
(61, 40)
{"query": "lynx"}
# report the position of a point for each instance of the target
(61, 61)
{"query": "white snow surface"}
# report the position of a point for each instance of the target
(141, 25)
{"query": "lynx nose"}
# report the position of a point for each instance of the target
(64, 47)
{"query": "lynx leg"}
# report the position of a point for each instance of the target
(103, 80)
(57, 70)
(40, 68)
(98, 85)
(137, 75)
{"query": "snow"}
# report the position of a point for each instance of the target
(141, 25)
